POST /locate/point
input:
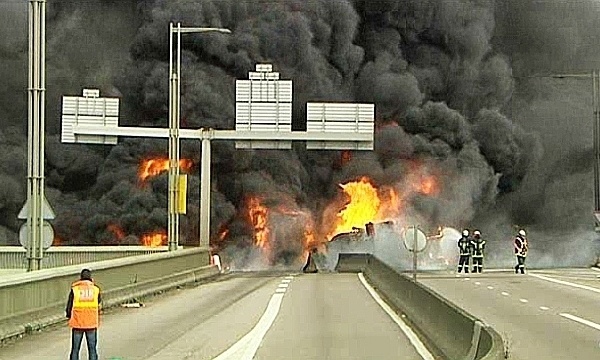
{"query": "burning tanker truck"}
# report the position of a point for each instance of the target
(385, 241)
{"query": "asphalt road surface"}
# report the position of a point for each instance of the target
(261, 316)
(544, 314)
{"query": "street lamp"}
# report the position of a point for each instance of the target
(174, 122)
(595, 76)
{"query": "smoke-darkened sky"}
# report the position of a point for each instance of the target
(449, 80)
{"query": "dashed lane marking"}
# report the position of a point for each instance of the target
(477, 283)
(505, 293)
(524, 301)
(247, 346)
(490, 287)
(544, 308)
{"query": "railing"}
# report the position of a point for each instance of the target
(14, 257)
(32, 300)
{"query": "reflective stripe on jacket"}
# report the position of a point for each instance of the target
(478, 246)
(86, 305)
(463, 246)
(521, 246)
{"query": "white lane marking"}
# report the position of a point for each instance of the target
(286, 280)
(595, 268)
(504, 293)
(544, 308)
(412, 337)
(246, 347)
(524, 301)
(584, 287)
(581, 321)
(467, 279)
(280, 290)
(289, 277)
(283, 285)
(491, 287)
(477, 283)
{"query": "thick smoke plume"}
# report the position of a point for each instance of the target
(439, 72)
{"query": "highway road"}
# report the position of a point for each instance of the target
(544, 314)
(260, 316)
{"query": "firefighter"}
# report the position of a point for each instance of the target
(477, 248)
(464, 249)
(83, 308)
(521, 248)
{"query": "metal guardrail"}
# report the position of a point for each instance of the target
(450, 332)
(32, 300)
(14, 257)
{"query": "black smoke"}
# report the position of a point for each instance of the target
(439, 72)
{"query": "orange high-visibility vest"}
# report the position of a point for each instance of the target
(84, 314)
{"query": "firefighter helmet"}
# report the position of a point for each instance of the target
(522, 232)
(465, 232)
(476, 233)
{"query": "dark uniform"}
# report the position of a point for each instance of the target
(521, 248)
(477, 249)
(464, 248)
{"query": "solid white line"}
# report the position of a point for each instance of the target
(524, 301)
(410, 334)
(491, 287)
(504, 293)
(580, 320)
(246, 347)
(544, 308)
(584, 287)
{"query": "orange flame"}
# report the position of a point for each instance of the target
(258, 217)
(428, 185)
(153, 167)
(116, 230)
(155, 239)
(362, 207)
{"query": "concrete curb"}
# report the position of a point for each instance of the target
(448, 331)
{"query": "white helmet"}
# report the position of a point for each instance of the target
(476, 233)
(465, 232)
(522, 232)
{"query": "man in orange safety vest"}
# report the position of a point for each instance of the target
(83, 309)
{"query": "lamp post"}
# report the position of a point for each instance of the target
(595, 76)
(174, 122)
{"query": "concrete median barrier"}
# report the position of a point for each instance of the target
(31, 301)
(448, 331)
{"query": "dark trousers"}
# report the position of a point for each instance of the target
(463, 262)
(477, 264)
(520, 264)
(91, 339)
